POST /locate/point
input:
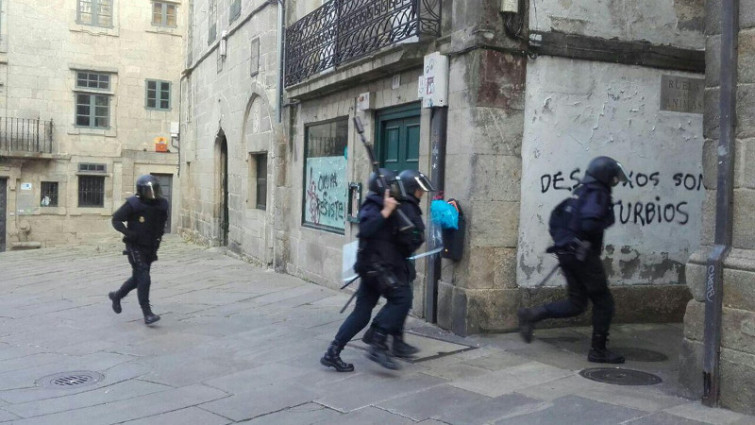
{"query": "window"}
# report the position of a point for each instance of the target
(92, 108)
(261, 167)
(91, 168)
(49, 195)
(96, 12)
(93, 111)
(158, 95)
(92, 80)
(164, 14)
(254, 59)
(212, 21)
(91, 191)
(325, 186)
(235, 10)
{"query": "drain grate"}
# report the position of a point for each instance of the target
(70, 379)
(620, 376)
(641, 354)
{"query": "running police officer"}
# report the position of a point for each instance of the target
(145, 215)
(580, 263)
(384, 270)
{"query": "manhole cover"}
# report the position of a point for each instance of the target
(640, 354)
(620, 376)
(70, 379)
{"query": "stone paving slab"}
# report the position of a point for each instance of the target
(239, 344)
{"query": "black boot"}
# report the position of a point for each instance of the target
(332, 358)
(367, 337)
(403, 350)
(379, 351)
(527, 319)
(116, 299)
(600, 354)
(149, 317)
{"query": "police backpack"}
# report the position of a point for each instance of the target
(563, 224)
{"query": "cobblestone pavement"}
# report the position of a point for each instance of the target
(238, 344)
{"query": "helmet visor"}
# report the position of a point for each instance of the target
(621, 175)
(424, 183)
(150, 191)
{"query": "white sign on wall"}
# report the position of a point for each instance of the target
(326, 192)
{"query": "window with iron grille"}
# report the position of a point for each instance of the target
(158, 94)
(164, 14)
(49, 195)
(261, 165)
(91, 191)
(235, 10)
(96, 12)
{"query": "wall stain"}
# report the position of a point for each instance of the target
(659, 270)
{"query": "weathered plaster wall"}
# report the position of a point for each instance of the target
(674, 22)
(577, 110)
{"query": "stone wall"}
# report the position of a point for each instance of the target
(737, 361)
(231, 96)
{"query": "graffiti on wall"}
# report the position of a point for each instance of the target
(645, 212)
(326, 192)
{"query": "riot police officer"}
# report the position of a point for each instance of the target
(386, 238)
(580, 262)
(145, 215)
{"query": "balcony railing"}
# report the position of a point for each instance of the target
(344, 30)
(25, 135)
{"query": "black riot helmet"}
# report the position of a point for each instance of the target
(376, 183)
(411, 180)
(148, 188)
(605, 170)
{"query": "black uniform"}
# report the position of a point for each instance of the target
(384, 270)
(586, 279)
(145, 224)
(580, 261)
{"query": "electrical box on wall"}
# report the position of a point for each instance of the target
(433, 84)
(365, 102)
(510, 6)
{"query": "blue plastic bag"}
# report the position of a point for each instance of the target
(444, 214)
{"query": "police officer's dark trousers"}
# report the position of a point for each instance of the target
(586, 280)
(141, 261)
(392, 315)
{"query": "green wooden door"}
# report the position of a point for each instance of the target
(398, 137)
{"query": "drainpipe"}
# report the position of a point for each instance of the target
(724, 205)
(438, 127)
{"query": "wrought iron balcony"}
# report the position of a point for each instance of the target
(25, 136)
(344, 30)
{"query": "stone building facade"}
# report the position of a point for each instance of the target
(88, 93)
(533, 94)
(232, 141)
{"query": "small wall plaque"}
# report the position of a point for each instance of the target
(682, 94)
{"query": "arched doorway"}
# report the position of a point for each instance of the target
(222, 185)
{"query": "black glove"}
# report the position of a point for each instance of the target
(130, 236)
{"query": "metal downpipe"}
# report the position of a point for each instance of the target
(724, 204)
